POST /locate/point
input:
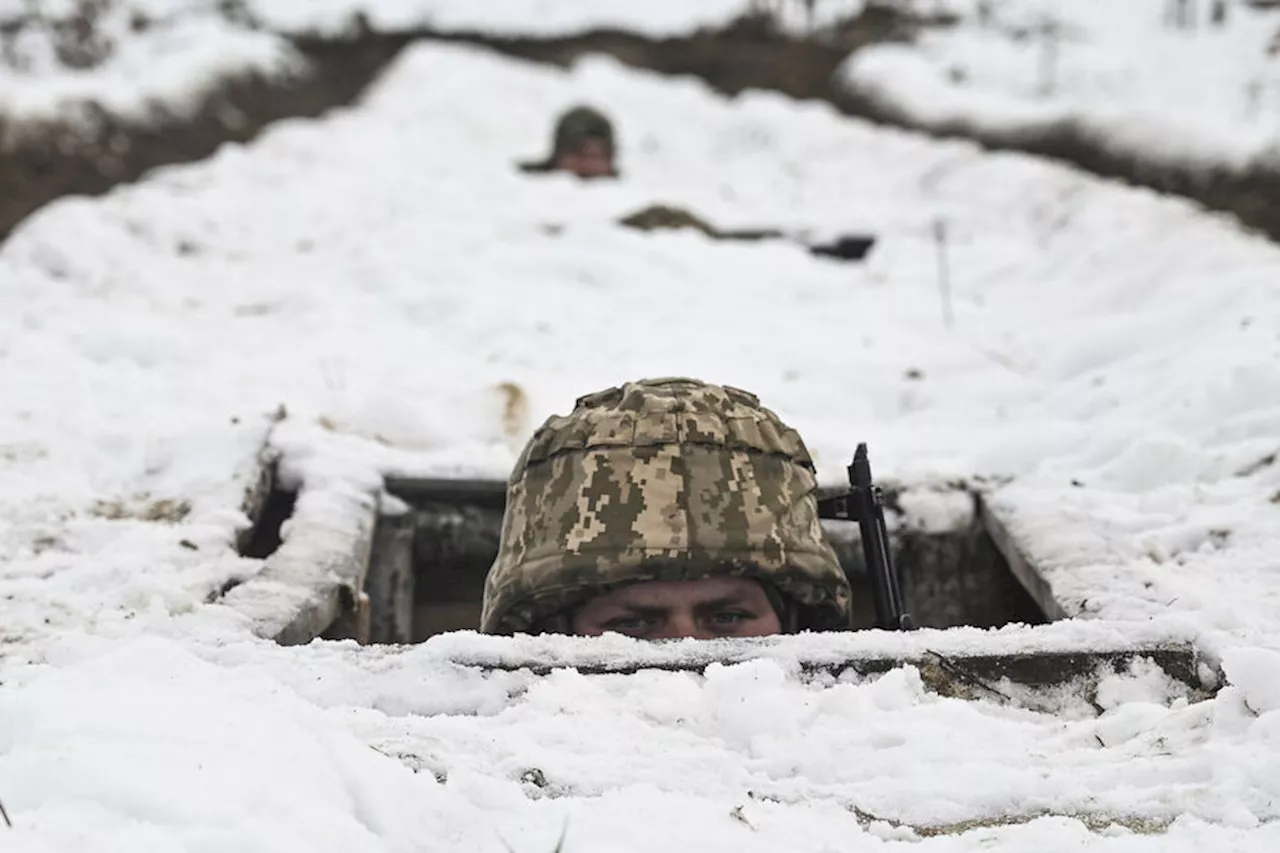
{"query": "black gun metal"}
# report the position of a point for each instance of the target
(865, 504)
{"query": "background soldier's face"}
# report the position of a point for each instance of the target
(664, 610)
(590, 159)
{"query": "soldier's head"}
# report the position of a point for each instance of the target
(665, 508)
(584, 144)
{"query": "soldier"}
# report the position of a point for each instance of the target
(665, 508)
(583, 144)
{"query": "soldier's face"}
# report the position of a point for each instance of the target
(591, 159)
(664, 610)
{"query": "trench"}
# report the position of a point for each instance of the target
(428, 566)
(751, 54)
(99, 151)
(399, 572)
(89, 159)
(264, 537)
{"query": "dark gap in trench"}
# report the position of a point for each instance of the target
(428, 567)
(267, 506)
(264, 536)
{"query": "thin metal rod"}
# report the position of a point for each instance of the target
(944, 272)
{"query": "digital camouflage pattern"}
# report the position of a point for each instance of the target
(663, 479)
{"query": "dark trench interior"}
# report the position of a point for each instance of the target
(427, 572)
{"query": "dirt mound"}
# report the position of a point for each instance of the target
(1252, 195)
(749, 53)
(93, 152)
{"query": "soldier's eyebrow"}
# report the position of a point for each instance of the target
(724, 601)
(648, 611)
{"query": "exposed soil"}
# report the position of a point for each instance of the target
(1251, 195)
(47, 161)
(65, 159)
(750, 53)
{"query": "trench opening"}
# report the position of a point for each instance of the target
(268, 506)
(264, 537)
(428, 566)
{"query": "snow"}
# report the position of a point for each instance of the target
(416, 305)
(187, 48)
(1205, 98)
(525, 17)
(328, 748)
(547, 18)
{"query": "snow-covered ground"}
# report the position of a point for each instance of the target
(145, 55)
(137, 57)
(656, 18)
(389, 278)
(148, 744)
(1207, 97)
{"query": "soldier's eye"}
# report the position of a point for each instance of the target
(730, 618)
(630, 625)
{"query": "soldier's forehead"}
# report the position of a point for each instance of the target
(703, 589)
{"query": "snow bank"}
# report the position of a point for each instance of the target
(515, 17)
(247, 747)
(545, 18)
(139, 57)
(1119, 80)
(147, 745)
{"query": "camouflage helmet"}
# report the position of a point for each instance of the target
(661, 479)
(578, 125)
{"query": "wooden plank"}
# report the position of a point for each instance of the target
(965, 675)
(390, 584)
(454, 547)
(255, 496)
(490, 494)
(1021, 568)
(431, 618)
(316, 577)
(353, 622)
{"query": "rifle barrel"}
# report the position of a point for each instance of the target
(867, 505)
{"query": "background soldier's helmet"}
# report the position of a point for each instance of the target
(577, 126)
(664, 479)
